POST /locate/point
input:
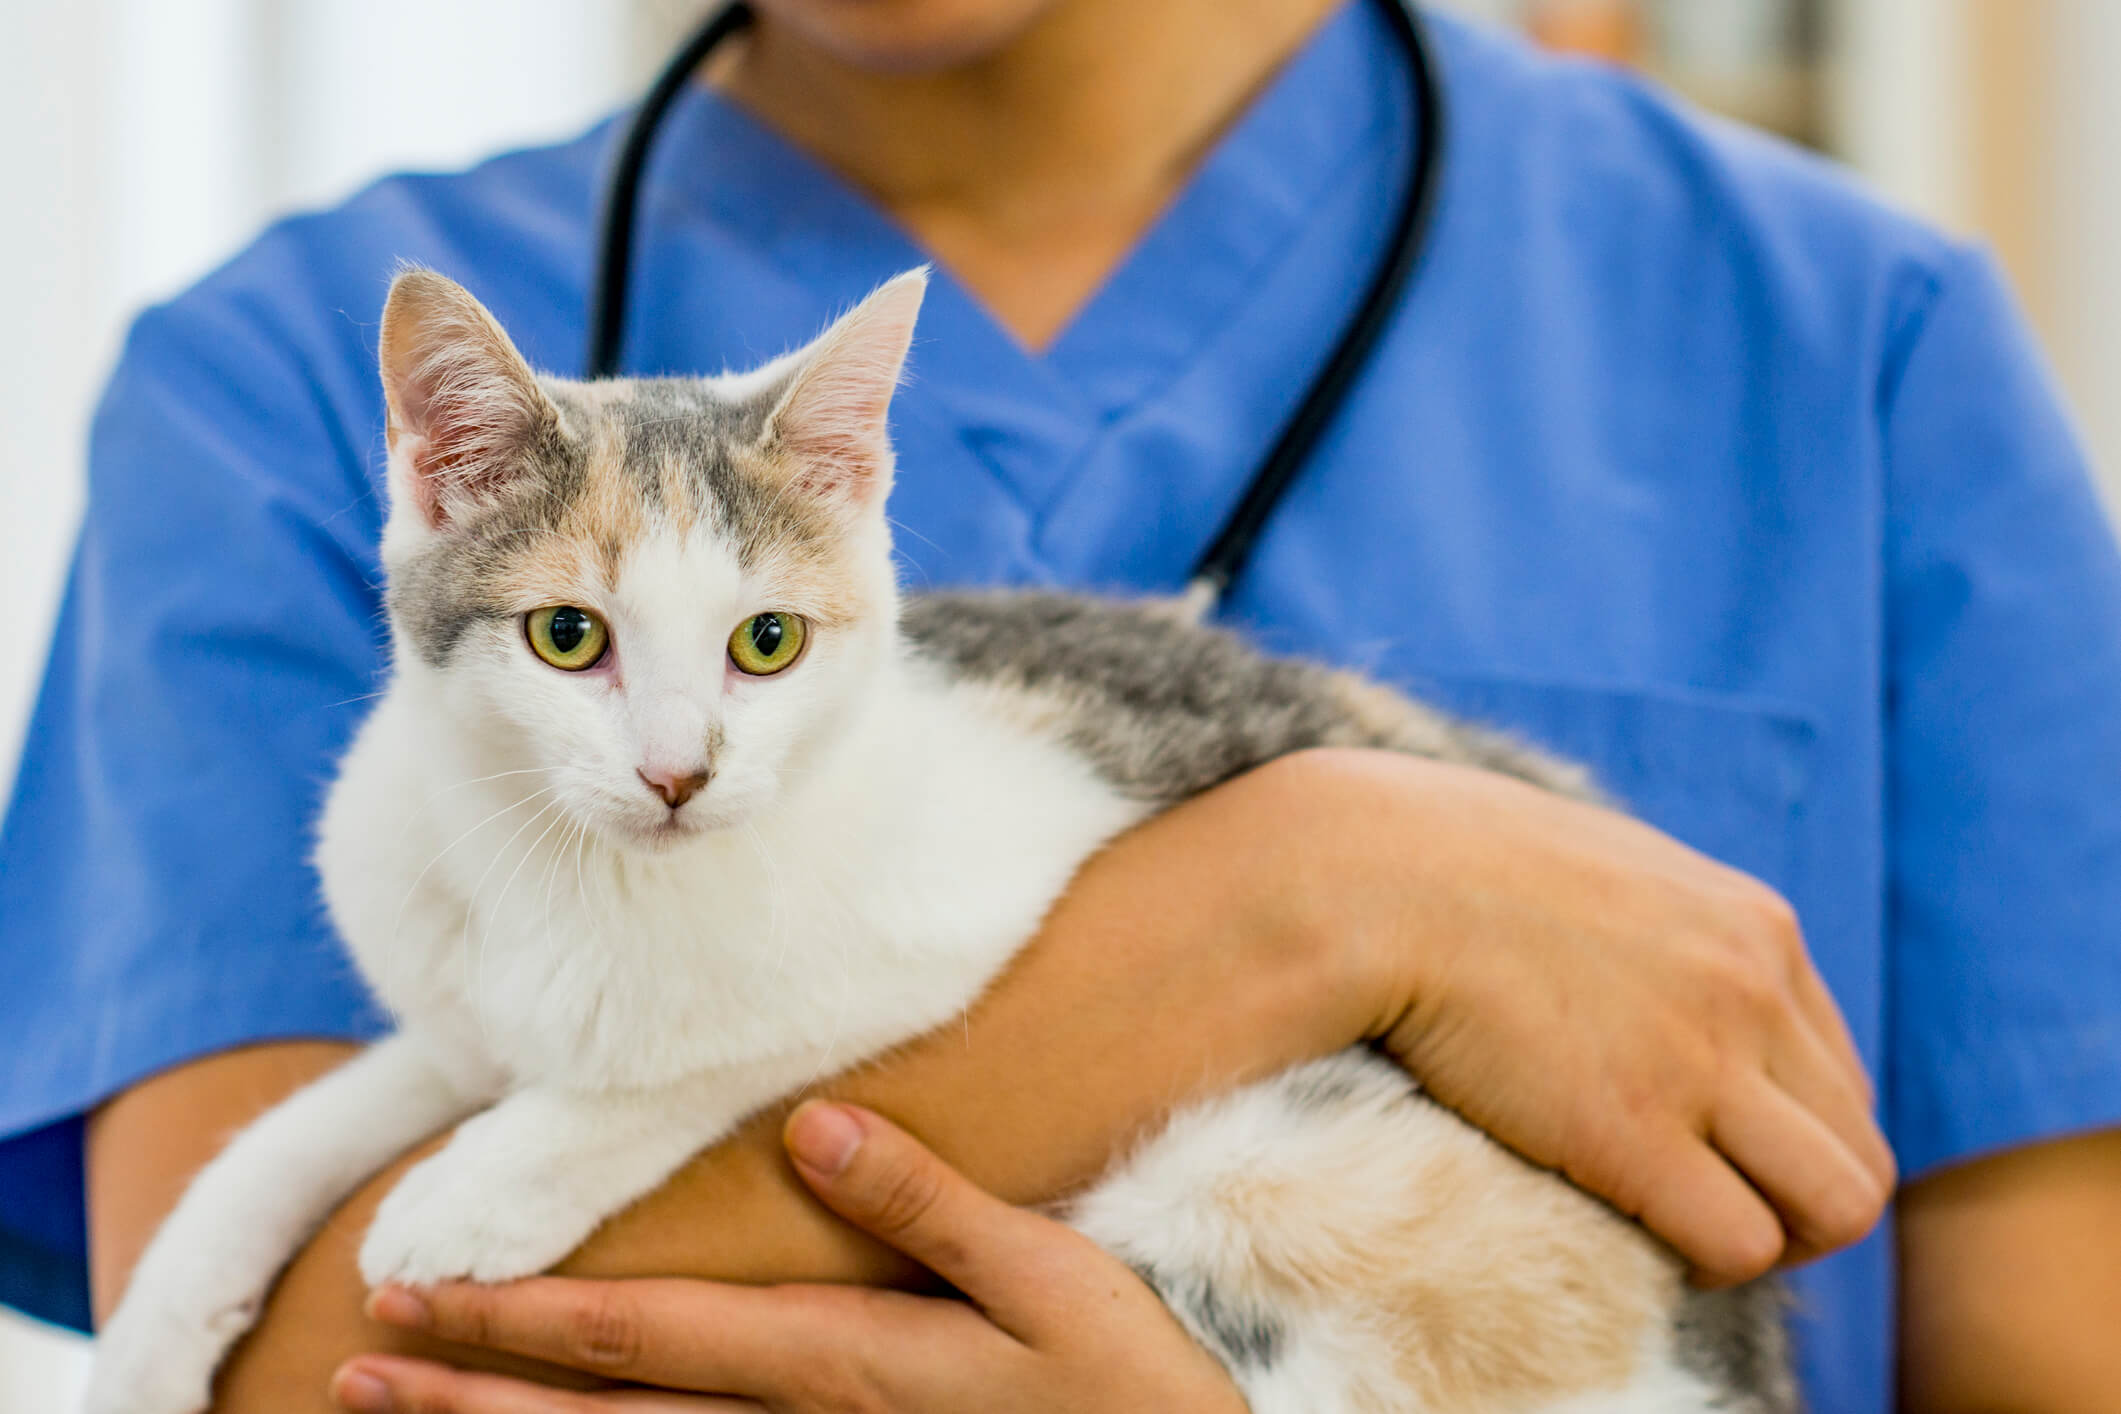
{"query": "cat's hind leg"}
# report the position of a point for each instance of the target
(1344, 1245)
(198, 1286)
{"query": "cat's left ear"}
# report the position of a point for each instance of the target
(831, 426)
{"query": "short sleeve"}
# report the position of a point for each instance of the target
(219, 635)
(2003, 772)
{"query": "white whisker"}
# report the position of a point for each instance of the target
(414, 887)
(552, 874)
(581, 893)
(482, 780)
(472, 907)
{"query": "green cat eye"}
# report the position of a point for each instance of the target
(567, 637)
(766, 644)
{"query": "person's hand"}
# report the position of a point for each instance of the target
(1052, 1323)
(1602, 999)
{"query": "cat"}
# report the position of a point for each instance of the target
(674, 804)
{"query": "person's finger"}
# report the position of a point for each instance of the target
(1807, 1067)
(693, 1335)
(1832, 1028)
(1016, 1265)
(382, 1384)
(1827, 1196)
(1705, 1209)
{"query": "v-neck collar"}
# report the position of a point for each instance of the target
(1033, 419)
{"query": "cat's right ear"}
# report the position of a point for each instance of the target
(464, 406)
(830, 430)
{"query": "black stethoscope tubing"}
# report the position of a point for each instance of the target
(1224, 559)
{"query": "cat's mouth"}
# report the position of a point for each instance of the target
(672, 828)
(629, 821)
(669, 828)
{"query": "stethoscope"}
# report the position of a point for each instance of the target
(1227, 553)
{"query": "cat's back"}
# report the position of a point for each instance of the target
(1164, 708)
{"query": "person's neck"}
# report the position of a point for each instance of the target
(1030, 173)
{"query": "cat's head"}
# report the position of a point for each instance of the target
(664, 595)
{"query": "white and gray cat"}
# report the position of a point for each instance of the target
(675, 803)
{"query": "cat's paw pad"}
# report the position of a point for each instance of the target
(162, 1361)
(442, 1223)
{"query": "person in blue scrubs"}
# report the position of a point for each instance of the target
(1681, 457)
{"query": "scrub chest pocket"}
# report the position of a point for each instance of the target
(1727, 775)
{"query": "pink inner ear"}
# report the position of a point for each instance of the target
(462, 443)
(459, 443)
(420, 485)
(463, 404)
(837, 436)
(834, 420)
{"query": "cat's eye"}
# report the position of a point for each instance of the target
(569, 638)
(765, 644)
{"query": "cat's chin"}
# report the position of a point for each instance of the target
(674, 830)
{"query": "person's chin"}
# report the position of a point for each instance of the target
(909, 38)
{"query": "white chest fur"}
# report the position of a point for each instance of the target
(837, 923)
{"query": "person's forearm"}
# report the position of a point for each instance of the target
(2010, 1282)
(1164, 973)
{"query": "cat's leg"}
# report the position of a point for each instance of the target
(199, 1284)
(520, 1186)
(1343, 1244)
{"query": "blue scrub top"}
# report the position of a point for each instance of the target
(1681, 457)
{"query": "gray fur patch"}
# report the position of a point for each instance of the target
(683, 422)
(1247, 1339)
(1166, 709)
(1330, 1084)
(1737, 1342)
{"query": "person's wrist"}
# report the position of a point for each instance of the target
(1330, 903)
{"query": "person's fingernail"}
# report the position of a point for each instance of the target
(823, 1137)
(361, 1392)
(397, 1306)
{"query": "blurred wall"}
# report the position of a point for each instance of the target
(2001, 119)
(2078, 102)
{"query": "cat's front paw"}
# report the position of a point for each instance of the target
(160, 1358)
(448, 1221)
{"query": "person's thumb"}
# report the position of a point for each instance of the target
(884, 1181)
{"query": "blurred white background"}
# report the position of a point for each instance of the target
(141, 141)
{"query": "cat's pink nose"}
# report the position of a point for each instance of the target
(672, 787)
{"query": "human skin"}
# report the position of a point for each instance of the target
(1265, 922)
(2010, 1282)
